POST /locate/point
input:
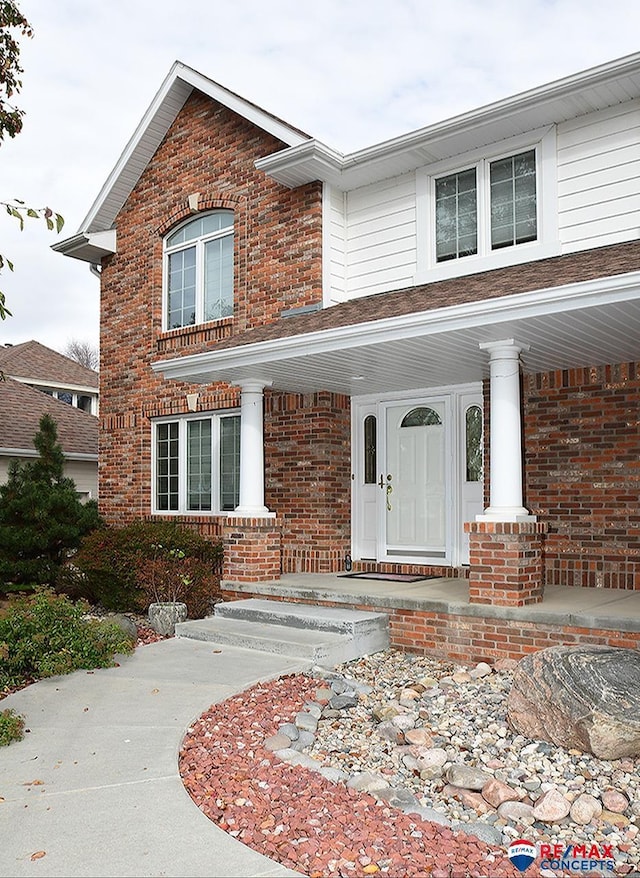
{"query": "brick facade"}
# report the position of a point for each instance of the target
(582, 473)
(308, 478)
(581, 427)
(277, 262)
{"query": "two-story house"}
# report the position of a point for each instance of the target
(36, 381)
(419, 358)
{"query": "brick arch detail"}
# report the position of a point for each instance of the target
(181, 210)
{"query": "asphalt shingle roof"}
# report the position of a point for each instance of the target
(77, 430)
(33, 360)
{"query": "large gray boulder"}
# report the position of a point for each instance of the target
(582, 697)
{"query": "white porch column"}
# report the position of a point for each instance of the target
(251, 503)
(505, 489)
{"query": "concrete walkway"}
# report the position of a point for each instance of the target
(103, 748)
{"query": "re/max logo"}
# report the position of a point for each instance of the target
(577, 857)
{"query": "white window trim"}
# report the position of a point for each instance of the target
(548, 242)
(199, 244)
(182, 421)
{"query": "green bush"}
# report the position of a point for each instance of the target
(47, 634)
(11, 727)
(127, 568)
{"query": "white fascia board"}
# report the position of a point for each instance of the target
(54, 384)
(29, 452)
(328, 164)
(537, 303)
(88, 246)
(167, 103)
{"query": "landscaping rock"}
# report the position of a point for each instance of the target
(466, 776)
(551, 807)
(583, 697)
(585, 809)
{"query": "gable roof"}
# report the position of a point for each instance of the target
(21, 408)
(178, 85)
(34, 361)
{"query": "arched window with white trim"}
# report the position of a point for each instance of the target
(198, 271)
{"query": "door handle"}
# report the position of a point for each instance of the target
(389, 492)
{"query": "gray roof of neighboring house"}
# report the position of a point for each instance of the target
(21, 408)
(32, 360)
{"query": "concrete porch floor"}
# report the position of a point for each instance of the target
(590, 608)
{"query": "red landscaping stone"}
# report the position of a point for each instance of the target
(300, 819)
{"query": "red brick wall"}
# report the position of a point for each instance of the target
(278, 249)
(582, 473)
(308, 477)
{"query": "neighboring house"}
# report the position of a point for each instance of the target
(38, 381)
(58, 376)
(421, 356)
(21, 408)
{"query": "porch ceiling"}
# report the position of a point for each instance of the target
(576, 326)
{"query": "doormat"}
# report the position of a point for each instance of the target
(389, 577)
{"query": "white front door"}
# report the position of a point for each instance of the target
(414, 511)
(417, 476)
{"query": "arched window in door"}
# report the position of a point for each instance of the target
(421, 417)
(473, 442)
(370, 437)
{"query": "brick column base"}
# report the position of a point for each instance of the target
(251, 549)
(506, 564)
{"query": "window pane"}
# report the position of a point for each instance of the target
(202, 225)
(370, 450)
(166, 466)
(182, 288)
(229, 462)
(513, 200)
(473, 437)
(421, 417)
(199, 464)
(218, 283)
(65, 397)
(84, 403)
(456, 216)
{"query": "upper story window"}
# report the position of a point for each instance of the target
(198, 271)
(505, 189)
(488, 208)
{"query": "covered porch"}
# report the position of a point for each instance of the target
(412, 347)
(436, 617)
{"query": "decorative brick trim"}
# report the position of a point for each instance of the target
(181, 210)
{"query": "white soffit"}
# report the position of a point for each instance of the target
(586, 324)
(586, 92)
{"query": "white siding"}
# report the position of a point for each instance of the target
(381, 236)
(83, 472)
(334, 222)
(599, 178)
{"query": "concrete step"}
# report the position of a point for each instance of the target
(321, 647)
(324, 635)
(341, 620)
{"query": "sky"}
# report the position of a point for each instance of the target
(350, 73)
